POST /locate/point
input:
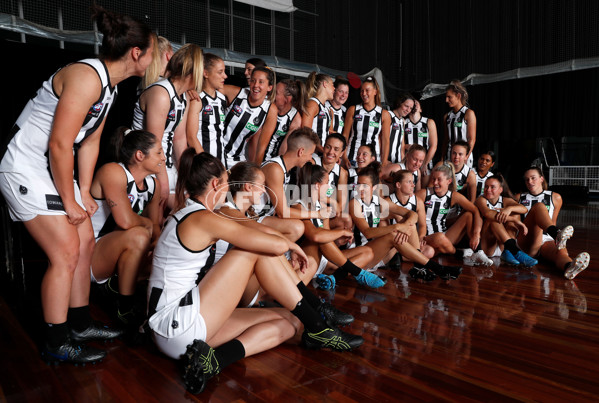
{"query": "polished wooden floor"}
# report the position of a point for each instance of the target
(495, 334)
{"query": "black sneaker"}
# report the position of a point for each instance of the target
(332, 338)
(73, 353)
(422, 273)
(96, 331)
(448, 272)
(333, 316)
(395, 262)
(199, 365)
(131, 322)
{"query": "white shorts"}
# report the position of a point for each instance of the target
(177, 327)
(95, 280)
(496, 252)
(321, 266)
(172, 179)
(548, 238)
(28, 196)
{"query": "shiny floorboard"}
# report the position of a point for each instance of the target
(495, 334)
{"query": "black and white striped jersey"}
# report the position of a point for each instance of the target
(322, 121)
(338, 116)
(396, 137)
(416, 133)
(461, 177)
(212, 123)
(546, 197)
(457, 129)
(333, 174)
(365, 130)
(436, 211)
(480, 182)
(281, 130)
(372, 214)
(411, 204)
(498, 204)
(416, 173)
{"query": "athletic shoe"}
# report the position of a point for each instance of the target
(422, 273)
(395, 262)
(526, 260)
(563, 235)
(73, 353)
(448, 272)
(333, 316)
(467, 253)
(325, 282)
(199, 365)
(369, 279)
(507, 257)
(479, 257)
(332, 338)
(580, 263)
(96, 331)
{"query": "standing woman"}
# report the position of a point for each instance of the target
(163, 51)
(336, 105)
(319, 90)
(401, 109)
(460, 121)
(368, 124)
(290, 101)
(251, 114)
(543, 238)
(422, 131)
(36, 178)
(161, 111)
(207, 112)
(250, 65)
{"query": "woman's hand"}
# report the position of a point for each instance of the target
(298, 257)
(75, 214)
(90, 204)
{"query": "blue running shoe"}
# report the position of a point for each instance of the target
(369, 279)
(325, 282)
(507, 257)
(525, 259)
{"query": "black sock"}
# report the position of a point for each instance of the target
(348, 267)
(312, 321)
(56, 334)
(552, 230)
(567, 266)
(125, 303)
(113, 284)
(229, 352)
(79, 318)
(432, 265)
(308, 295)
(511, 246)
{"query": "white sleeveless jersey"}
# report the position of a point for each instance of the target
(457, 129)
(338, 117)
(175, 114)
(365, 130)
(27, 150)
(103, 221)
(498, 204)
(416, 133)
(316, 206)
(176, 270)
(436, 211)
(266, 208)
(480, 182)
(416, 173)
(212, 123)
(222, 246)
(333, 174)
(546, 197)
(396, 137)
(241, 123)
(461, 177)
(322, 121)
(281, 130)
(411, 204)
(372, 214)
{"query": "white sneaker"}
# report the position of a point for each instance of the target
(580, 263)
(563, 235)
(467, 253)
(480, 258)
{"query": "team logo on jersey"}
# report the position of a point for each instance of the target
(446, 205)
(373, 124)
(257, 120)
(208, 110)
(171, 115)
(131, 198)
(457, 124)
(428, 203)
(357, 117)
(22, 190)
(322, 114)
(395, 126)
(96, 109)
(525, 202)
(423, 134)
(376, 118)
(443, 211)
(408, 130)
(376, 220)
(237, 110)
(251, 127)
(280, 133)
(286, 128)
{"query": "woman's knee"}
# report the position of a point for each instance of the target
(137, 238)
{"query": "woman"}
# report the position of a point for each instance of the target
(486, 161)
(319, 89)
(128, 217)
(422, 131)
(465, 178)
(501, 215)
(192, 303)
(252, 116)
(460, 121)
(36, 178)
(290, 100)
(404, 104)
(161, 110)
(163, 51)
(412, 162)
(366, 155)
(336, 105)
(250, 65)
(366, 123)
(543, 238)
(207, 111)
(437, 201)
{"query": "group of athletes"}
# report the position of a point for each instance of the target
(244, 197)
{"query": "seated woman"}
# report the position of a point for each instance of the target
(412, 162)
(543, 238)
(465, 177)
(192, 304)
(369, 211)
(128, 217)
(437, 201)
(501, 215)
(486, 161)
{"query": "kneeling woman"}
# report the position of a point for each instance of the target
(192, 303)
(128, 216)
(543, 237)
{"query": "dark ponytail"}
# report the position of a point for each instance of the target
(195, 171)
(126, 142)
(308, 175)
(242, 173)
